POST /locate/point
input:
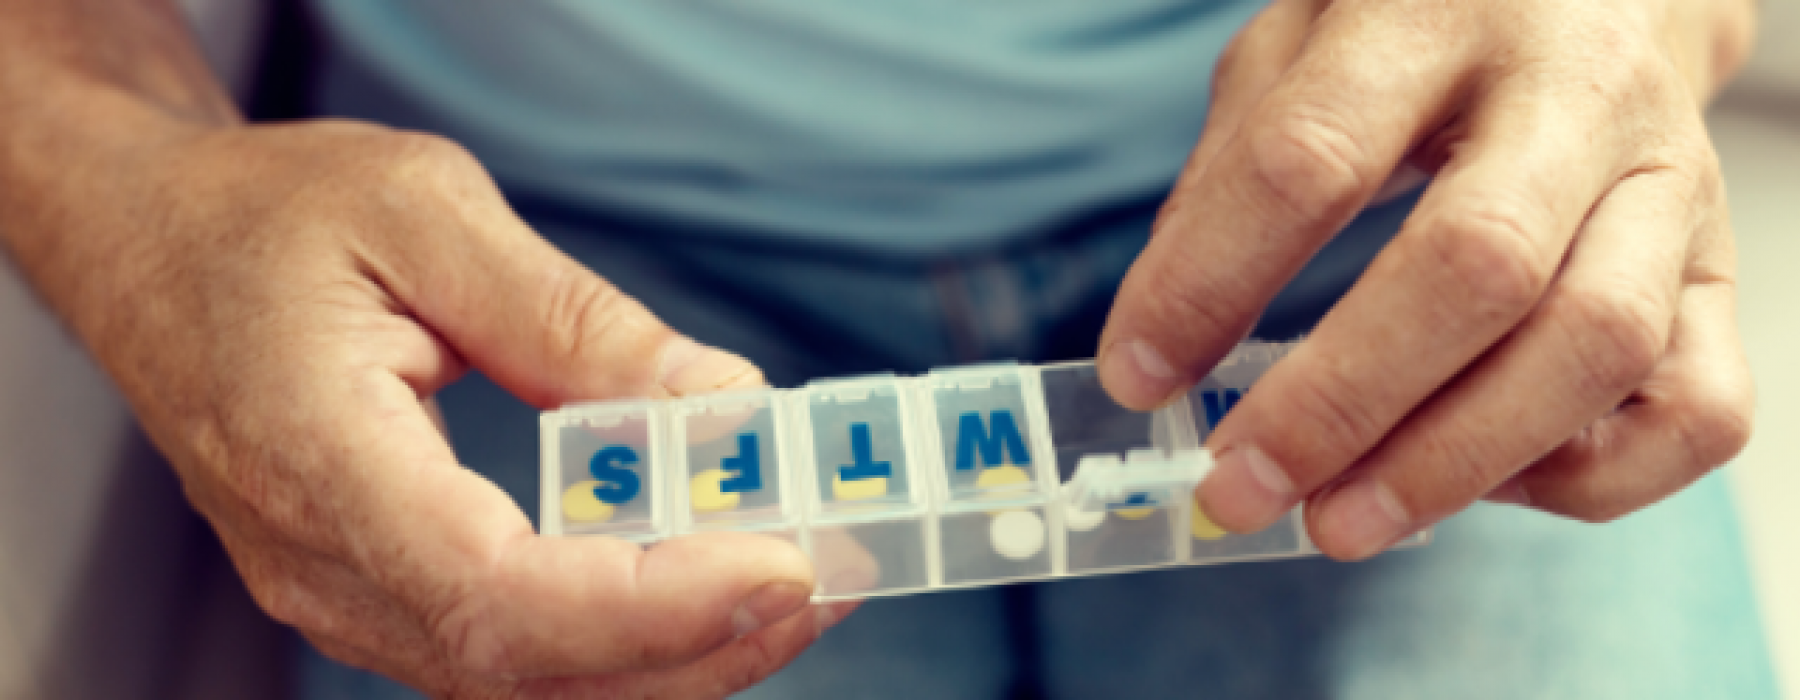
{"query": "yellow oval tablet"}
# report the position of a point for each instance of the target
(704, 492)
(1134, 513)
(1203, 527)
(1004, 475)
(580, 505)
(858, 489)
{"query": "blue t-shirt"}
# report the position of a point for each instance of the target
(924, 125)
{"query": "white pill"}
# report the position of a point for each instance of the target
(1079, 520)
(1017, 534)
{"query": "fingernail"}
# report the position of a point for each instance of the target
(1138, 373)
(1403, 180)
(1510, 493)
(687, 367)
(771, 603)
(827, 615)
(1247, 491)
(1365, 516)
(850, 581)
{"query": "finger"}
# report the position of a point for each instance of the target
(1691, 416)
(540, 324)
(1470, 263)
(1247, 69)
(1597, 335)
(731, 669)
(1306, 158)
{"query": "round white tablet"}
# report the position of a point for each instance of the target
(1017, 534)
(1079, 520)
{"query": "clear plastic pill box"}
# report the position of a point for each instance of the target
(965, 476)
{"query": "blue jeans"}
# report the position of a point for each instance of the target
(1505, 603)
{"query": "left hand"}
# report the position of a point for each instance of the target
(1554, 324)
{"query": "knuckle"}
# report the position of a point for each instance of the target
(1617, 335)
(1692, 157)
(1190, 305)
(1692, 177)
(579, 314)
(464, 633)
(1465, 468)
(1228, 62)
(1585, 496)
(1630, 73)
(1312, 164)
(412, 153)
(1328, 407)
(382, 171)
(410, 169)
(1610, 60)
(1716, 428)
(667, 644)
(760, 659)
(286, 602)
(1490, 251)
(343, 125)
(1599, 511)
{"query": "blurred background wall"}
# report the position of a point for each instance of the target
(1756, 128)
(111, 588)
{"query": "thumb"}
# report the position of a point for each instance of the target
(548, 329)
(457, 554)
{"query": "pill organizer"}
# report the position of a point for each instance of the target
(964, 476)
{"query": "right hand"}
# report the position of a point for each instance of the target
(280, 302)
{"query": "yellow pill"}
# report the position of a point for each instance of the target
(706, 495)
(858, 489)
(1004, 475)
(580, 505)
(1134, 513)
(1203, 527)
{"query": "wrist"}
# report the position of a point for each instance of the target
(77, 163)
(88, 89)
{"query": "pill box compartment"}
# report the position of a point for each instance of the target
(1084, 421)
(600, 475)
(866, 503)
(1208, 402)
(730, 451)
(898, 485)
(994, 473)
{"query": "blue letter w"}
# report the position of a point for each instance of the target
(972, 436)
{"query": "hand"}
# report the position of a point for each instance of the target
(1552, 327)
(278, 304)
